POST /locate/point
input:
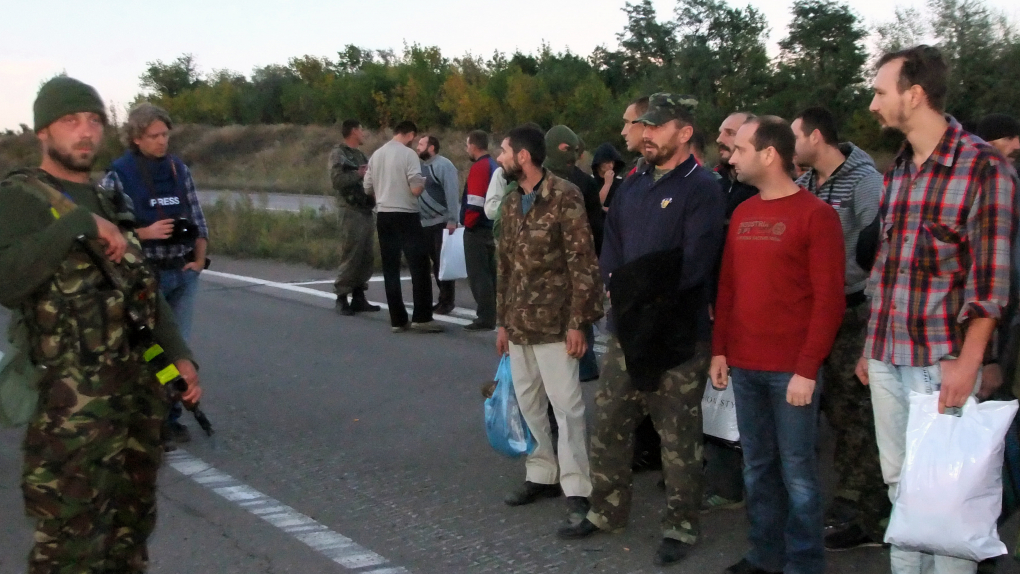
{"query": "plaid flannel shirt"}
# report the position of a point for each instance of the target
(112, 181)
(945, 251)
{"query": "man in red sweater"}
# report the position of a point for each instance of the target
(779, 306)
(479, 246)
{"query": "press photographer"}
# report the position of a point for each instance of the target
(169, 219)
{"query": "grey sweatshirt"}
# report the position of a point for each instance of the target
(854, 190)
(440, 202)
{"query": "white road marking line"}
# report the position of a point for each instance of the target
(331, 281)
(312, 533)
(316, 293)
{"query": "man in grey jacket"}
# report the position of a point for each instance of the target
(439, 209)
(845, 177)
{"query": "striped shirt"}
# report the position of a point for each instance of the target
(945, 250)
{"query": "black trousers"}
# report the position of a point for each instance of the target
(480, 259)
(403, 233)
(447, 289)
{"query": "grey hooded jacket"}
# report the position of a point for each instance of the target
(854, 190)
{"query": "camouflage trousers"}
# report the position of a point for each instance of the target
(675, 410)
(357, 258)
(92, 453)
(846, 403)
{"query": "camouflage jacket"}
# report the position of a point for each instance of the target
(548, 280)
(73, 314)
(344, 162)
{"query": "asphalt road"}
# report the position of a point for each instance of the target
(269, 201)
(341, 447)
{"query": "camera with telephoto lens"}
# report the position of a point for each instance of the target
(185, 231)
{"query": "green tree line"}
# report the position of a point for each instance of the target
(707, 48)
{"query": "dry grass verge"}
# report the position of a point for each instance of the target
(245, 229)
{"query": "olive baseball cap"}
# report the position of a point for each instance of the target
(664, 107)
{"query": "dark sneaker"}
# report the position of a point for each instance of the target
(582, 529)
(577, 509)
(841, 513)
(343, 307)
(671, 551)
(427, 327)
(531, 492)
(712, 502)
(443, 309)
(745, 567)
(476, 326)
(179, 433)
(849, 538)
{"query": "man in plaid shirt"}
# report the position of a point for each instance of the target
(941, 279)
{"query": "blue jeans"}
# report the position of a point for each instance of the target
(784, 499)
(179, 288)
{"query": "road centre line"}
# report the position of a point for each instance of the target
(318, 293)
(317, 536)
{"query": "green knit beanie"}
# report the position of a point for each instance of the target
(63, 95)
(559, 161)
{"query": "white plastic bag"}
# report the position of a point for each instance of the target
(950, 491)
(451, 259)
(719, 413)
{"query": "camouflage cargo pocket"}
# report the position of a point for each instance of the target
(49, 333)
(100, 318)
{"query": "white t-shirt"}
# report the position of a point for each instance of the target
(393, 170)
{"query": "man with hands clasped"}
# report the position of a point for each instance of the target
(779, 306)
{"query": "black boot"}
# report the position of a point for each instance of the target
(359, 304)
(343, 307)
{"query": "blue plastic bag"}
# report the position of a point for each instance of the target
(504, 424)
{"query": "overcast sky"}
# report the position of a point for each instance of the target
(107, 43)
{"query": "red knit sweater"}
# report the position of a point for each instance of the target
(781, 297)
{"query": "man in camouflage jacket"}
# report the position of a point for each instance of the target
(347, 167)
(73, 277)
(548, 288)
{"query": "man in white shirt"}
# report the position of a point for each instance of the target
(394, 178)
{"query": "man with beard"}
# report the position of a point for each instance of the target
(667, 216)
(737, 191)
(844, 176)
(72, 274)
(439, 211)
(724, 480)
(548, 289)
(355, 219)
(162, 193)
(941, 279)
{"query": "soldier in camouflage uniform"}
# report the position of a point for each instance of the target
(671, 207)
(547, 289)
(347, 167)
(79, 289)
